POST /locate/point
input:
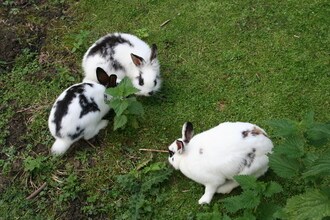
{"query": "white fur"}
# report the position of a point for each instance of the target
(122, 54)
(91, 122)
(215, 156)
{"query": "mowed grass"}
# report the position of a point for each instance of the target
(220, 61)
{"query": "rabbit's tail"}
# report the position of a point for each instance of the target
(60, 146)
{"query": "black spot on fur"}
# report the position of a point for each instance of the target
(117, 66)
(141, 81)
(250, 158)
(62, 106)
(245, 133)
(77, 134)
(87, 106)
(155, 82)
(108, 42)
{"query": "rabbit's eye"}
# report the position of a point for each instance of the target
(171, 153)
(155, 82)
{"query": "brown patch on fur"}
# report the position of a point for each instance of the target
(256, 131)
(245, 133)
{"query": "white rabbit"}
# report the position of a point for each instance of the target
(125, 55)
(78, 111)
(215, 156)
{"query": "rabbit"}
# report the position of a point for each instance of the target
(215, 156)
(78, 111)
(125, 55)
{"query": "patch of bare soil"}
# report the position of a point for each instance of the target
(24, 26)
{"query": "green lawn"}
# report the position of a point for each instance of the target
(220, 61)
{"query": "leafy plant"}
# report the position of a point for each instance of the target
(253, 193)
(80, 40)
(10, 153)
(70, 188)
(301, 156)
(126, 107)
(34, 164)
(142, 190)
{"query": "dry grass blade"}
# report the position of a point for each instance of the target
(153, 150)
(35, 193)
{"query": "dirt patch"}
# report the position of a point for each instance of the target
(24, 26)
(17, 127)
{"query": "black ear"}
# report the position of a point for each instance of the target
(112, 81)
(153, 52)
(180, 146)
(187, 132)
(138, 61)
(102, 76)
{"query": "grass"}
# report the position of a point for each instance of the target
(220, 61)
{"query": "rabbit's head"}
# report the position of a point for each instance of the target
(146, 77)
(177, 148)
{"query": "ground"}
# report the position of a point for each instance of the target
(220, 61)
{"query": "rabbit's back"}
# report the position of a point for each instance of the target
(78, 107)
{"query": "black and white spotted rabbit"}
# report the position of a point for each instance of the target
(125, 55)
(78, 111)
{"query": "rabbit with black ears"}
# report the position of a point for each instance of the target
(215, 156)
(78, 111)
(125, 55)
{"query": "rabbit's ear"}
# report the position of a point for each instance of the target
(102, 76)
(138, 61)
(153, 52)
(187, 132)
(112, 81)
(180, 146)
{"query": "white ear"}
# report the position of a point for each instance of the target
(180, 146)
(187, 132)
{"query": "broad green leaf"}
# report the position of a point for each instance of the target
(119, 106)
(154, 167)
(117, 91)
(214, 215)
(283, 166)
(320, 166)
(283, 127)
(156, 178)
(311, 205)
(292, 147)
(318, 134)
(135, 108)
(246, 200)
(265, 210)
(129, 89)
(246, 181)
(247, 215)
(310, 158)
(123, 89)
(119, 121)
(272, 188)
(134, 122)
